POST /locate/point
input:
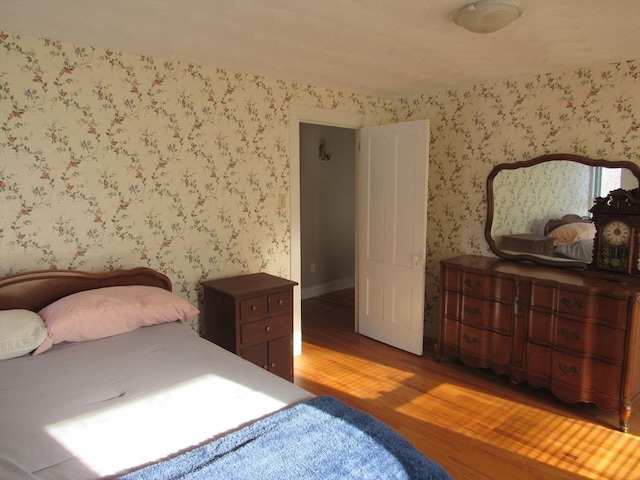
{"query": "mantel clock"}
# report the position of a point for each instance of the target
(617, 242)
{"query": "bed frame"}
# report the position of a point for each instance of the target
(35, 290)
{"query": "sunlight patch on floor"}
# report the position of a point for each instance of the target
(505, 424)
(500, 423)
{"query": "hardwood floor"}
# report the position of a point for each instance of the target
(476, 424)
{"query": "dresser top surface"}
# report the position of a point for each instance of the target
(615, 283)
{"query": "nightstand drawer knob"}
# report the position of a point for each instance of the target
(273, 364)
(280, 302)
(267, 328)
(265, 366)
(253, 308)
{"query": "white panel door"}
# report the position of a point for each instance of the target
(392, 226)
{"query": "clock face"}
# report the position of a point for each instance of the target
(616, 233)
(615, 246)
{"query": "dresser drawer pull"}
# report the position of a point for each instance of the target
(472, 310)
(472, 284)
(470, 340)
(280, 302)
(273, 364)
(267, 328)
(571, 336)
(253, 308)
(569, 371)
(572, 305)
(265, 366)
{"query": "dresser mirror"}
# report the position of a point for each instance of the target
(528, 202)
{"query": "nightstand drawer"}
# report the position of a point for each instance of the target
(265, 330)
(253, 309)
(280, 302)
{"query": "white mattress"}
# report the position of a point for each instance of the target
(94, 409)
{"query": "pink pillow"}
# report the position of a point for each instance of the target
(104, 312)
(573, 232)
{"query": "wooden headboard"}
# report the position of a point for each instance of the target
(35, 290)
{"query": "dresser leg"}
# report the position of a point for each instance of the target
(625, 415)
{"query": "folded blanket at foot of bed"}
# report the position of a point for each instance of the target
(322, 438)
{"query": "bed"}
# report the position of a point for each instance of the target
(116, 385)
(573, 237)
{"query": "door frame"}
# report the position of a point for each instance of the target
(320, 116)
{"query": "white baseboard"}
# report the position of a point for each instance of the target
(321, 289)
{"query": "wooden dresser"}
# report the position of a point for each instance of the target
(252, 316)
(574, 332)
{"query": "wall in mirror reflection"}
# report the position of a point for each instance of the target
(526, 199)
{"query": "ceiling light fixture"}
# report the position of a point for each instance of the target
(486, 16)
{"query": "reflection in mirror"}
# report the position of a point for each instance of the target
(538, 210)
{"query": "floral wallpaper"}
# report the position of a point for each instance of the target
(525, 199)
(112, 160)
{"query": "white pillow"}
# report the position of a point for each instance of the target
(21, 332)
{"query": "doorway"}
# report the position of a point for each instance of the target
(317, 116)
(327, 209)
(327, 226)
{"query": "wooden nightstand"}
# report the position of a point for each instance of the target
(527, 243)
(252, 316)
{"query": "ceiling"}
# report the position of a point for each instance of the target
(376, 47)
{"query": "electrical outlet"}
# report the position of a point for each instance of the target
(282, 201)
(312, 268)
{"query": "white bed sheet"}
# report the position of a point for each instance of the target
(581, 250)
(95, 409)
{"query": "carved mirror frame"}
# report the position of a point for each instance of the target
(635, 170)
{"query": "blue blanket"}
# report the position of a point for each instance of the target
(319, 439)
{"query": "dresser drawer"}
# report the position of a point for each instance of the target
(485, 345)
(265, 330)
(488, 287)
(598, 340)
(586, 376)
(487, 314)
(597, 307)
(601, 341)
(254, 308)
